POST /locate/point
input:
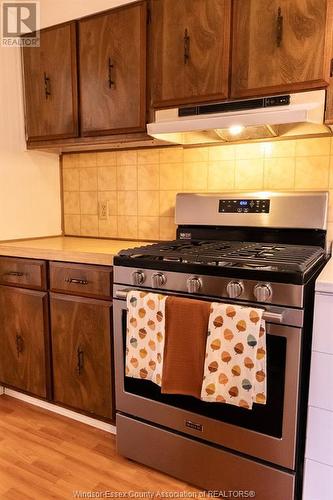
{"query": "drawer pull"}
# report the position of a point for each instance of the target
(80, 360)
(75, 281)
(279, 28)
(14, 273)
(186, 47)
(19, 345)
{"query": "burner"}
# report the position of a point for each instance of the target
(230, 254)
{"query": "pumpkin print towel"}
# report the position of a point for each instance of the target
(145, 335)
(235, 363)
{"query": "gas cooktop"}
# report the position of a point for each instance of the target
(223, 257)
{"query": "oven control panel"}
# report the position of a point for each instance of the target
(253, 206)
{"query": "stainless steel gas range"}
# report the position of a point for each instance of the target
(263, 249)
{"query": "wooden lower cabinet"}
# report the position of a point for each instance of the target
(81, 350)
(24, 342)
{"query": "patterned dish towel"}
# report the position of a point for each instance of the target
(145, 336)
(235, 363)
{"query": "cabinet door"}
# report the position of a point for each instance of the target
(113, 71)
(280, 46)
(24, 360)
(81, 349)
(190, 44)
(51, 85)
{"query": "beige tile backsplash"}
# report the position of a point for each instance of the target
(140, 186)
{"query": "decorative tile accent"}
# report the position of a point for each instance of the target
(140, 186)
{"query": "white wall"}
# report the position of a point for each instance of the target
(58, 11)
(29, 181)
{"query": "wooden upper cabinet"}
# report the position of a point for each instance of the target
(280, 46)
(112, 50)
(190, 51)
(50, 83)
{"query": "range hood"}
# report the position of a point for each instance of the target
(288, 115)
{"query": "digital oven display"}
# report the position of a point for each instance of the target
(244, 206)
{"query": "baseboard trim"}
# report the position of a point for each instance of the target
(98, 424)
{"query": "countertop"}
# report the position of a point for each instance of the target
(68, 249)
(324, 282)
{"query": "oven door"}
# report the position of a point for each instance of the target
(267, 432)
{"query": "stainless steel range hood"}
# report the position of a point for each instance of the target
(282, 116)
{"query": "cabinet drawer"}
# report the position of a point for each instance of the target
(81, 279)
(24, 273)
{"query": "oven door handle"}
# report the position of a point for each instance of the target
(272, 316)
(267, 316)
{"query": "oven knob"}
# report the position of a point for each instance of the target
(158, 280)
(235, 289)
(193, 285)
(263, 292)
(138, 277)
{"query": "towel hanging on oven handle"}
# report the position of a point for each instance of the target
(267, 316)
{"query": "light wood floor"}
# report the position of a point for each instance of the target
(46, 456)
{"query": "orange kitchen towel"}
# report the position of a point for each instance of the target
(186, 324)
(235, 362)
(145, 335)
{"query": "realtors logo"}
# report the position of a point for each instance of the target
(20, 23)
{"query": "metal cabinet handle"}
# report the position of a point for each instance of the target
(110, 68)
(14, 273)
(186, 46)
(279, 28)
(76, 281)
(47, 86)
(19, 344)
(80, 360)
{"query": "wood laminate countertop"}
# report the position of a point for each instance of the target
(68, 249)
